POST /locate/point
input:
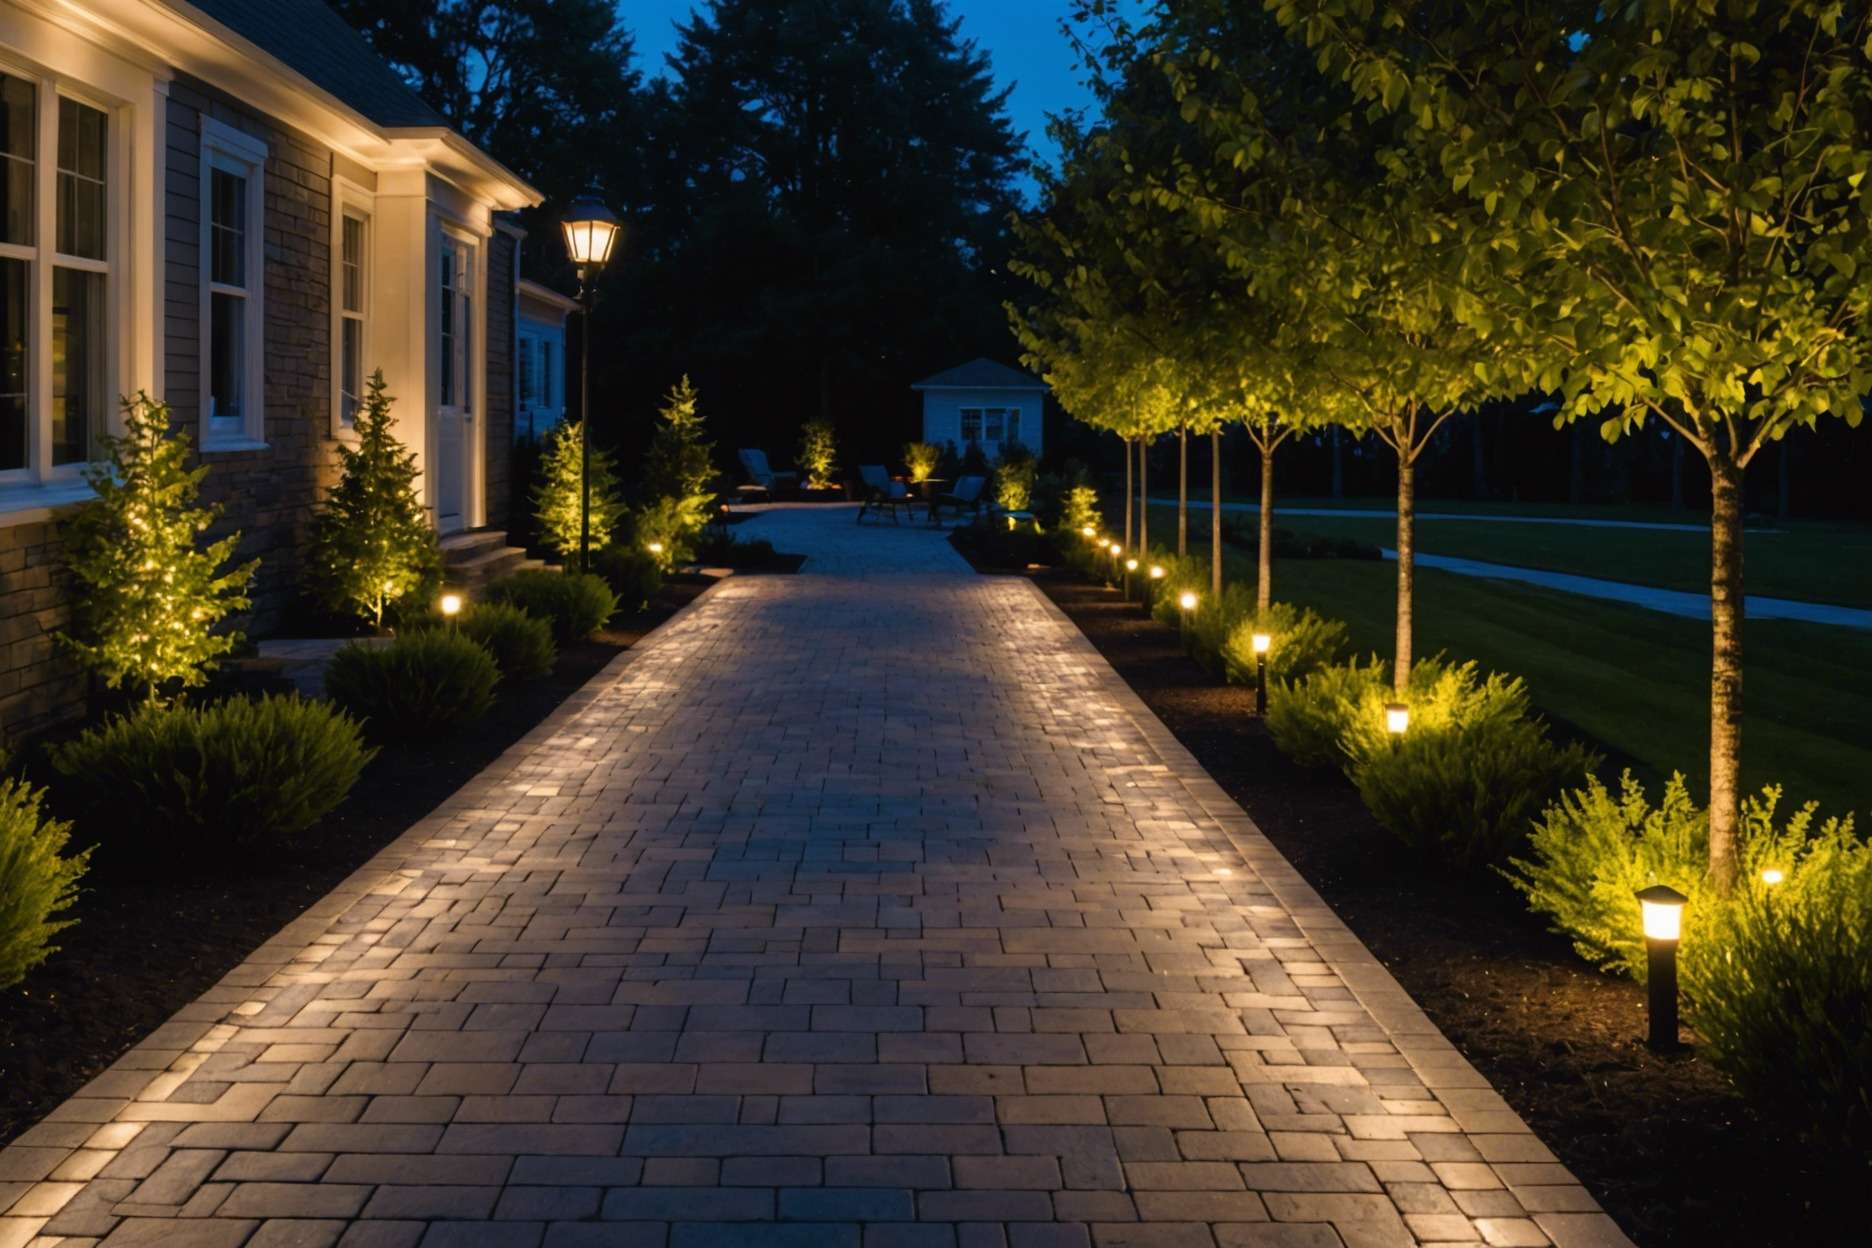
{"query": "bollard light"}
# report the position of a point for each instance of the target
(1661, 908)
(1396, 718)
(1088, 532)
(1150, 587)
(1772, 876)
(655, 548)
(1115, 550)
(451, 605)
(1263, 642)
(1130, 566)
(1186, 603)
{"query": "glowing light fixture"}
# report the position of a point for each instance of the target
(591, 230)
(1661, 908)
(655, 548)
(1262, 644)
(1088, 532)
(451, 605)
(1157, 572)
(1772, 876)
(1396, 718)
(1187, 601)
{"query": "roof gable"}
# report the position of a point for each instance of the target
(981, 374)
(312, 39)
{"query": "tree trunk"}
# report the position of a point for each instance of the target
(1215, 513)
(1127, 496)
(1264, 557)
(1183, 492)
(1406, 567)
(1338, 469)
(1726, 609)
(1143, 499)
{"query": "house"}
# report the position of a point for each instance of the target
(235, 206)
(540, 358)
(985, 404)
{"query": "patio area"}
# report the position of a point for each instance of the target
(865, 906)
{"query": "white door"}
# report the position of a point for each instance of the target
(456, 399)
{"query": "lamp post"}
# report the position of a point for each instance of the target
(1263, 642)
(591, 230)
(1150, 588)
(1185, 604)
(1662, 908)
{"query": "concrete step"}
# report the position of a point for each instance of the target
(472, 560)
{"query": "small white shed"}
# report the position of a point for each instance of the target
(985, 403)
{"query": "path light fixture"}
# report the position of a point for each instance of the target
(1396, 719)
(451, 605)
(1662, 909)
(656, 548)
(1263, 642)
(1115, 550)
(1150, 589)
(1772, 876)
(1186, 603)
(591, 231)
(1130, 567)
(1088, 532)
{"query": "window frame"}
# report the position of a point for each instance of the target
(349, 200)
(43, 259)
(243, 155)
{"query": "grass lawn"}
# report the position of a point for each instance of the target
(1636, 680)
(1808, 560)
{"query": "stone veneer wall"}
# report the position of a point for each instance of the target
(39, 687)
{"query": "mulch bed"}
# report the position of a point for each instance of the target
(1664, 1143)
(143, 948)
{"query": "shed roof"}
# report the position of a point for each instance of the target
(309, 37)
(981, 374)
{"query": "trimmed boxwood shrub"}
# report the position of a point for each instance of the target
(521, 646)
(240, 770)
(632, 574)
(37, 882)
(576, 604)
(426, 683)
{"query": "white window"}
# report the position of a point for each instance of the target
(457, 323)
(233, 195)
(353, 274)
(56, 351)
(990, 426)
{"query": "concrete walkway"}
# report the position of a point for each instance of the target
(867, 910)
(1649, 597)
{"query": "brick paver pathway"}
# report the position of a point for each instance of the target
(847, 911)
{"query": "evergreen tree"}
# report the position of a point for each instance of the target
(556, 497)
(818, 453)
(679, 476)
(150, 597)
(372, 545)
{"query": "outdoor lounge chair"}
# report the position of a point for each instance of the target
(881, 492)
(762, 476)
(967, 493)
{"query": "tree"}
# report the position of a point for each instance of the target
(818, 453)
(678, 477)
(1682, 190)
(372, 545)
(152, 598)
(557, 497)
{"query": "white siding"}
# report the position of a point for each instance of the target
(942, 415)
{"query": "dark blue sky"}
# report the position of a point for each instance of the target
(1021, 36)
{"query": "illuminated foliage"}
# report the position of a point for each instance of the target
(151, 597)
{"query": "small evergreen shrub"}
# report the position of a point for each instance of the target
(663, 522)
(558, 493)
(372, 545)
(1014, 478)
(678, 476)
(1079, 508)
(632, 574)
(818, 454)
(1476, 766)
(37, 881)
(576, 605)
(425, 683)
(241, 770)
(920, 460)
(1303, 641)
(521, 646)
